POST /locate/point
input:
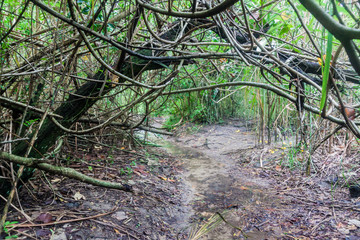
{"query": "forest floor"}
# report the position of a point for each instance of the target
(205, 177)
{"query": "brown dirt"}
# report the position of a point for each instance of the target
(213, 171)
(270, 194)
(151, 212)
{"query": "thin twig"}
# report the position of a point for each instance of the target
(62, 222)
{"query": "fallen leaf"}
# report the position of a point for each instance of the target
(278, 168)
(139, 170)
(355, 222)
(344, 231)
(140, 167)
(78, 196)
(120, 215)
(163, 178)
(351, 227)
(244, 188)
(43, 233)
(44, 218)
(340, 225)
(56, 180)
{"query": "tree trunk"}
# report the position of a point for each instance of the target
(79, 103)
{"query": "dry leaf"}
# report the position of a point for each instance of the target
(78, 196)
(44, 218)
(355, 222)
(56, 180)
(244, 188)
(285, 16)
(85, 58)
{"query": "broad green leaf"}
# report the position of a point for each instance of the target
(326, 70)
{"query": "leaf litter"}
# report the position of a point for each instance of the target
(215, 179)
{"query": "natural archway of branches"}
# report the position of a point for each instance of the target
(97, 63)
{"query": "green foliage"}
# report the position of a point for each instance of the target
(7, 225)
(293, 156)
(127, 171)
(326, 70)
(30, 122)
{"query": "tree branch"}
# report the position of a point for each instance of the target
(64, 171)
(202, 14)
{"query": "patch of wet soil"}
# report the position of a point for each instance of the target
(261, 197)
(218, 185)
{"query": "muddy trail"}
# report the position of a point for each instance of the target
(234, 191)
(215, 183)
(206, 182)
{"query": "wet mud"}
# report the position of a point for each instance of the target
(216, 185)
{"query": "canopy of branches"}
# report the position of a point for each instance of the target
(105, 61)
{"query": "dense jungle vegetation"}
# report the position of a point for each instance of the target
(77, 70)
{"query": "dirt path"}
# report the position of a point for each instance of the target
(221, 180)
(214, 180)
(214, 169)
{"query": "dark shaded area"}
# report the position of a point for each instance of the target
(354, 191)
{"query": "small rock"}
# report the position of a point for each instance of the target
(355, 222)
(120, 215)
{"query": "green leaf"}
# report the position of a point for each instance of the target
(284, 30)
(326, 70)
(12, 237)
